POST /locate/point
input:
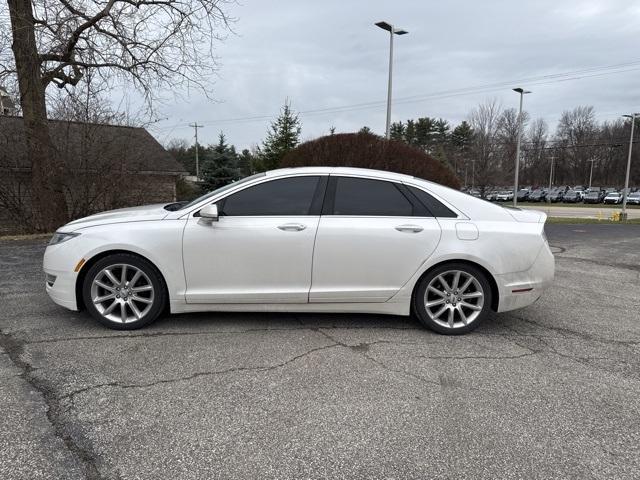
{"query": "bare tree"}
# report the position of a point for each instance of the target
(576, 129)
(485, 121)
(507, 135)
(536, 161)
(150, 43)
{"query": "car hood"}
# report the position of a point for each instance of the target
(121, 215)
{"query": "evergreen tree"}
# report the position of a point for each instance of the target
(441, 155)
(462, 136)
(424, 127)
(366, 130)
(396, 131)
(219, 165)
(441, 132)
(284, 135)
(410, 132)
(245, 163)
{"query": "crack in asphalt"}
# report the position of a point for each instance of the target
(363, 348)
(568, 332)
(14, 349)
(584, 361)
(622, 266)
(478, 357)
(261, 368)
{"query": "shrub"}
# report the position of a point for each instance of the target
(365, 150)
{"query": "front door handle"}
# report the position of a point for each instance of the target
(292, 227)
(409, 228)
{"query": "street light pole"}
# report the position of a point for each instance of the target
(392, 31)
(625, 192)
(522, 93)
(551, 171)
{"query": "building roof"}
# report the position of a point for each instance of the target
(90, 147)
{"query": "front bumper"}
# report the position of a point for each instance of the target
(63, 290)
(520, 289)
(59, 263)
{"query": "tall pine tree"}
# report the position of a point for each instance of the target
(220, 165)
(284, 135)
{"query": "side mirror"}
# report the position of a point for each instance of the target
(210, 213)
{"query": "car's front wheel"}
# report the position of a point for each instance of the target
(453, 298)
(124, 291)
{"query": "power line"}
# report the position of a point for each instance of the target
(485, 88)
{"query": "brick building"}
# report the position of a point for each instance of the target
(106, 167)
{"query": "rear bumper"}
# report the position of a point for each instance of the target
(520, 289)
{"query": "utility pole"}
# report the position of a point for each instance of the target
(196, 127)
(473, 173)
(591, 171)
(522, 93)
(553, 158)
(392, 31)
(625, 192)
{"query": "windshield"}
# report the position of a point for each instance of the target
(221, 189)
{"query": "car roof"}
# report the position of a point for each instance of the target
(340, 170)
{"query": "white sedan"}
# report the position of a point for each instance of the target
(305, 240)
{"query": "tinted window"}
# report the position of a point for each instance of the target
(361, 196)
(434, 206)
(287, 196)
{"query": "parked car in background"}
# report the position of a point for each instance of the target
(594, 197)
(438, 254)
(634, 198)
(491, 195)
(523, 194)
(505, 196)
(572, 196)
(613, 197)
(538, 195)
(555, 195)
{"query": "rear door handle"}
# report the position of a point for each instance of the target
(292, 227)
(409, 228)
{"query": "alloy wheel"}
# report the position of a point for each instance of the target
(454, 299)
(122, 293)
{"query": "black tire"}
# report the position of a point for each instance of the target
(420, 308)
(151, 276)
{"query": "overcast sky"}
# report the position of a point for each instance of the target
(323, 54)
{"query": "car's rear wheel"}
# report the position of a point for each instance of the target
(124, 291)
(453, 298)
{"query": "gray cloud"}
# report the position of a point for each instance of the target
(329, 54)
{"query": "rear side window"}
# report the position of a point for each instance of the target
(284, 197)
(435, 207)
(365, 197)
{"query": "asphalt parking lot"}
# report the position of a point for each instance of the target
(551, 391)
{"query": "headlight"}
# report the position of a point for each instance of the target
(60, 237)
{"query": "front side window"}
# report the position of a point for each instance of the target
(362, 196)
(283, 197)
